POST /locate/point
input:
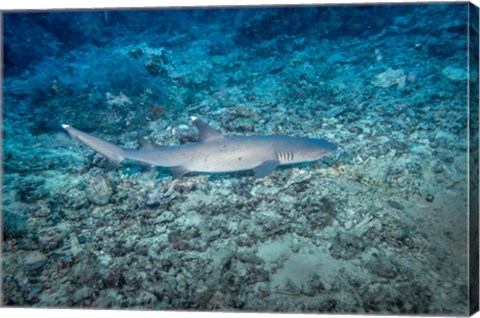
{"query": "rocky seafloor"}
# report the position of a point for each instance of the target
(379, 226)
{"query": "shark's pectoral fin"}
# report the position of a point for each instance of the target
(265, 168)
(179, 171)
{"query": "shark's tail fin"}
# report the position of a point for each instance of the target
(114, 154)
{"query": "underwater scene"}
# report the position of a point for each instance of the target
(262, 159)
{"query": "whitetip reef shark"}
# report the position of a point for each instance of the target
(214, 152)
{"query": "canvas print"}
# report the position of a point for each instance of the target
(299, 159)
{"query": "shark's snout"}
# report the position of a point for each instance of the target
(327, 146)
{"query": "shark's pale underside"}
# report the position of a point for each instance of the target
(214, 152)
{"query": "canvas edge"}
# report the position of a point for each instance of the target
(473, 174)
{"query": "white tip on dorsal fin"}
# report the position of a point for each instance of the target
(205, 132)
(193, 118)
(65, 126)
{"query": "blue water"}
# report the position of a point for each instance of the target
(378, 226)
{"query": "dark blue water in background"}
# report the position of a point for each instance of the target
(377, 227)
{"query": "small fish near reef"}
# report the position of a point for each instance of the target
(214, 152)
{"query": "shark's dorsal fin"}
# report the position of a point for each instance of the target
(144, 145)
(205, 132)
